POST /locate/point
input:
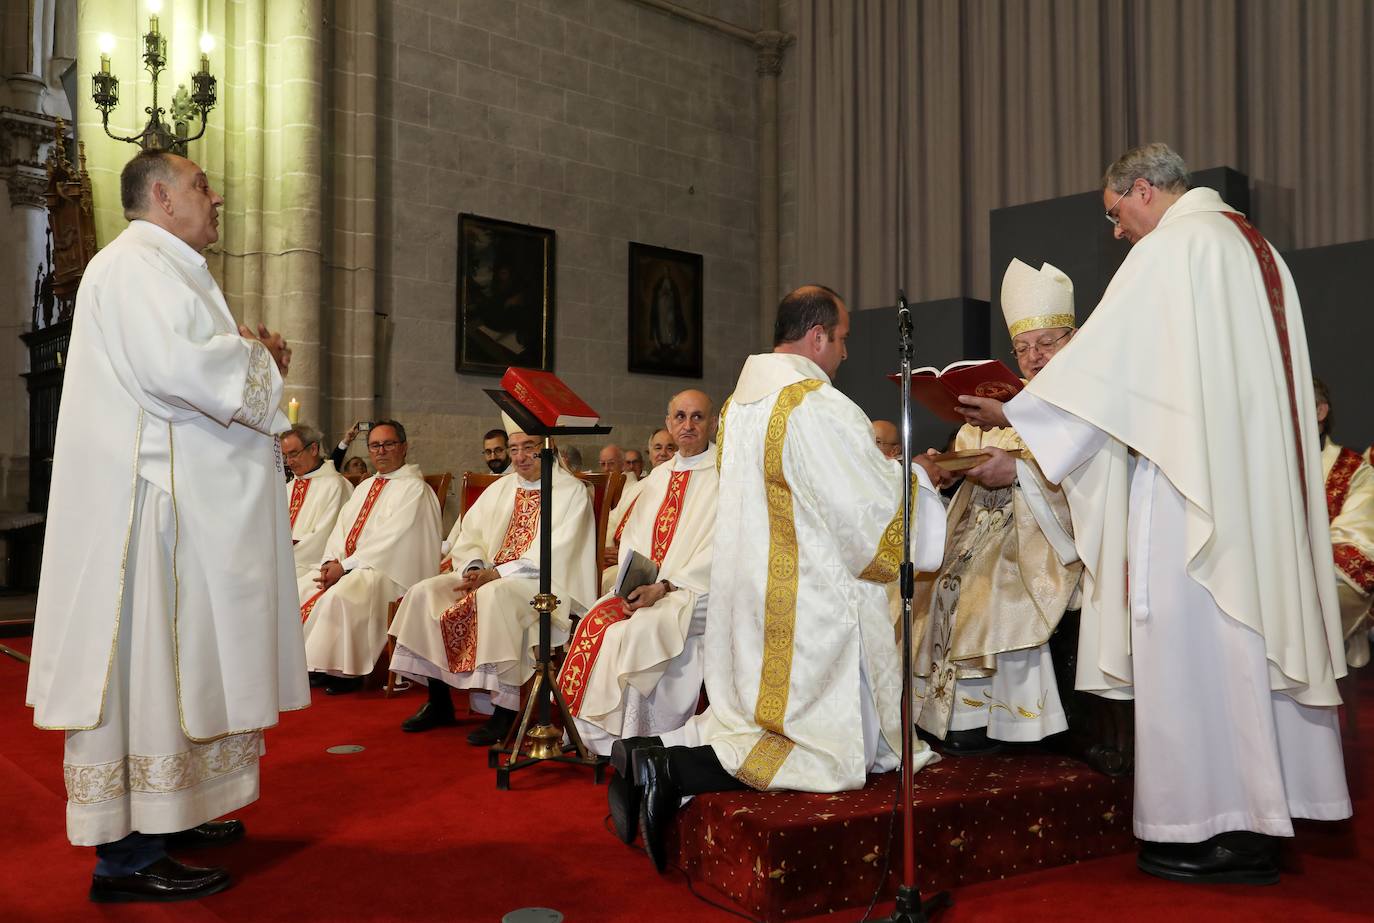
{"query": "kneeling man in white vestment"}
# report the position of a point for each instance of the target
(475, 628)
(802, 670)
(166, 638)
(634, 665)
(1181, 423)
(313, 499)
(983, 623)
(385, 540)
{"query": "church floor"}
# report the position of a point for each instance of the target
(413, 828)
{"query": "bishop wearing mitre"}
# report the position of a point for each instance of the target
(1180, 422)
(983, 667)
(314, 497)
(165, 639)
(634, 664)
(473, 628)
(385, 540)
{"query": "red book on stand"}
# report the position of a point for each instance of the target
(545, 396)
(939, 390)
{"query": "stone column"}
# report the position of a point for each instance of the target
(769, 44)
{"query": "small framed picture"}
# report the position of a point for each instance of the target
(505, 296)
(665, 311)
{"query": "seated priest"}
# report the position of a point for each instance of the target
(314, 498)
(615, 530)
(801, 664)
(612, 461)
(634, 463)
(385, 539)
(474, 628)
(661, 447)
(887, 438)
(1350, 506)
(634, 664)
(983, 622)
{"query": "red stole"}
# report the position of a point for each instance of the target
(298, 490)
(586, 642)
(620, 527)
(458, 624)
(1349, 559)
(351, 543)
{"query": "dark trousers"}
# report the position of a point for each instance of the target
(696, 771)
(124, 857)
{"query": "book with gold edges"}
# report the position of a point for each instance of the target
(938, 390)
(546, 396)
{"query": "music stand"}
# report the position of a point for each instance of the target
(542, 740)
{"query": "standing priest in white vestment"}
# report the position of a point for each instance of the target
(313, 499)
(983, 622)
(166, 638)
(802, 669)
(474, 628)
(1180, 422)
(634, 665)
(385, 540)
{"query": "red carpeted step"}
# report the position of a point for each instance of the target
(785, 855)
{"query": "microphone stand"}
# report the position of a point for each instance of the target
(910, 908)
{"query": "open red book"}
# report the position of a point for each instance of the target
(939, 390)
(545, 396)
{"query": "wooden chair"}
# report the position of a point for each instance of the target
(470, 488)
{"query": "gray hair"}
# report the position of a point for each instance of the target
(572, 456)
(138, 176)
(1156, 163)
(306, 434)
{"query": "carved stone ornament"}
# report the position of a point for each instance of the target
(769, 47)
(23, 136)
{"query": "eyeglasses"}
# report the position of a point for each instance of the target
(383, 446)
(1043, 345)
(493, 453)
(292, 456)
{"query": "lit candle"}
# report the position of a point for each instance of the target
(104, 64)
(152, 24)
(107, 45)
(293, 411)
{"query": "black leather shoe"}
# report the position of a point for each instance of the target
(319, 679)
(495, 730)
(659, 800)
(972, 742)
(340, 685)
(622, 792)
(214, 833)
(164, 880)
(429, 716)
(1237, 857)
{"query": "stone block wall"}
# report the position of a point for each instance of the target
(602, 119)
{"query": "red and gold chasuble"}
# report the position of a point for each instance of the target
(591, 630)
(620, 527)
(298, 489)
(458, 624)
(1351, 561)
(350, 543)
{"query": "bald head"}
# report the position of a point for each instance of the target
(888, 440)
(691, 421)
(612, 459)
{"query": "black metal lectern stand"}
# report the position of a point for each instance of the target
(536, 737)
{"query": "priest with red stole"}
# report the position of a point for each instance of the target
(634, 665)
(313, 498)
(1350, 506)
(385, 540)
(1180, 422)
(474, 628)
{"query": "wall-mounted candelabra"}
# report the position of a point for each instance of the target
(157, 134)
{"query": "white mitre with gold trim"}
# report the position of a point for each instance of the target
(1036, 300)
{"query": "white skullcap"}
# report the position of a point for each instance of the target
(1036, 300)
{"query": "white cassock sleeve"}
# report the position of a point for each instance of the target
(167, 353)
(1059, 440)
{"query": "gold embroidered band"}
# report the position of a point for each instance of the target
(1040, 322)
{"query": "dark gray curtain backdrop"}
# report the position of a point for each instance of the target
(919, 116)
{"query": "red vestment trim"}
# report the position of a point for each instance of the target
(298, 490)
(1338, 481)
(447, 566)
(585, 645)
(308, 605)
(620, 529)
(1273, 287)
(1356, 566)
(458, 624)
(351, 544)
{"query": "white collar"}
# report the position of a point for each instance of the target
(164, 238)
(703, 459)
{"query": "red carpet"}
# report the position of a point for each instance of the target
(413, 828)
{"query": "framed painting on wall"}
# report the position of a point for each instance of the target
(665, 327)
(505, 296)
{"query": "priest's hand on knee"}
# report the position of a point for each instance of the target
(998, 471)
(474, 578)
(983, 412)
(331, 572)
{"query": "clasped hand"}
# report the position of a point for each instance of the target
(281, 353)
(474, 578)
(331, 572)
